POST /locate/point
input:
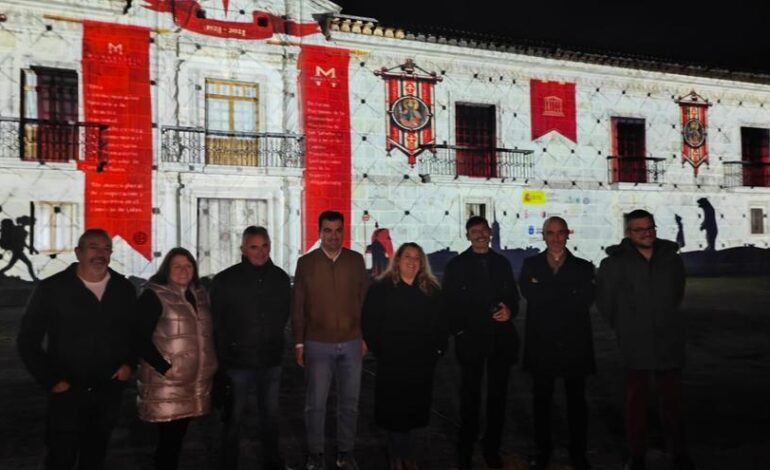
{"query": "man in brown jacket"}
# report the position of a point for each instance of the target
(329, 289)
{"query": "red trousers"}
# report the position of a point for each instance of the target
(668, 390)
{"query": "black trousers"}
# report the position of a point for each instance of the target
(577, 413)
(79, 425)
(472, 374)
(170, 437)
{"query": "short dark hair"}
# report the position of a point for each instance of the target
(253, 230)
(476, 220)
(555, 218)
(330, 216)
(93, 232)
(164, 271)
(637, 214)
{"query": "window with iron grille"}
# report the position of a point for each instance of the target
(755, 155)
(476, 140)
(232, 119)
(49, 114)
(757, 216)
(628, 141)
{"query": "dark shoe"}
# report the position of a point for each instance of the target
(580, 463)
(538, 462)
(396, 464)
(315, 462)
(493, 459)
(464, 460)
(274, 462)
(346, 461)
(684, 463)
(410, 464)
(274, 465)
(635, 463)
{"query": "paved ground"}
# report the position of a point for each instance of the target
(727, 385)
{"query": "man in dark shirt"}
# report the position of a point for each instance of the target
(85, 312)
(482, 299)
(250, 307)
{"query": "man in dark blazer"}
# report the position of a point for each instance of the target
(86, 312)
(559, 288)
(482, 299)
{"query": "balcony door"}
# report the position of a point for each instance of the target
(629, 149)
(50, 114)
(476, 139)
(755, 155)
(232, 118)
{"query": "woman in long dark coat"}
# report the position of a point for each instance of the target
(558, 342)
(402, 326)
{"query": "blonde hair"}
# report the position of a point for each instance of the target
(425, 279)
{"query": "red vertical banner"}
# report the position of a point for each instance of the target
(116, 92)
(325, 108)
(694, 129)
(553, 108)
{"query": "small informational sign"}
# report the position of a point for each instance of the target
(533, 197)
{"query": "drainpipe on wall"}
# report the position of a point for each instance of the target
(179, 188)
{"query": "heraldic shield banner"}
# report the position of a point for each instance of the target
(409, 108)
(694, 129)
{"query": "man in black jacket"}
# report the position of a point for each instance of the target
(482, 299)
(558, 343)
(250, 306)
(639, 288)
(86, 312)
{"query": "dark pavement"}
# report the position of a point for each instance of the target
(727, 389)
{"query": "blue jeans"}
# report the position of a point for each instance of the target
(322, 362)
(267, 381)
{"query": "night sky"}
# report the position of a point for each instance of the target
(734, 35)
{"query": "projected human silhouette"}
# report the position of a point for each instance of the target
(13, 238)
(709, 223)
(679, 231)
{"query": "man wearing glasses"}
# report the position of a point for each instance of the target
(640, 286)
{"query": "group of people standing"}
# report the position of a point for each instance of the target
(179, 337)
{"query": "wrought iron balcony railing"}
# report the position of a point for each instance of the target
(44, 140)
(745, 173)
(636, 169)
(452, 160)
(196, 145)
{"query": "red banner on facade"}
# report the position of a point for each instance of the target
(410, 108)
(116, 92)
(189, 14)
(694, 129)
(325, 108)
(553, 108)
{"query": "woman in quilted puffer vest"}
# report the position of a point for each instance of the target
(177, 353)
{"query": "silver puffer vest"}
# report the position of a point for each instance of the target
(185, 339)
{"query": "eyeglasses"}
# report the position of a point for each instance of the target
(641, 230)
